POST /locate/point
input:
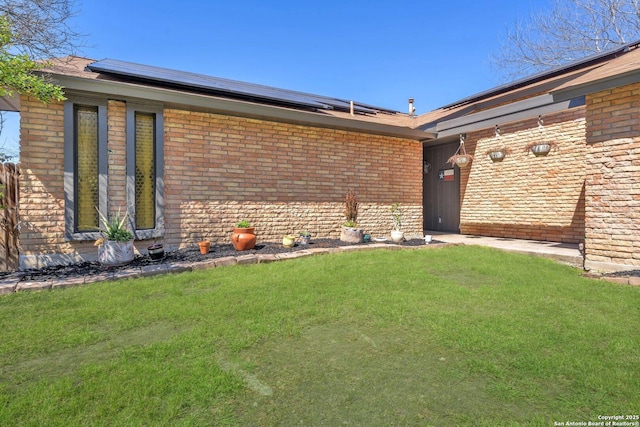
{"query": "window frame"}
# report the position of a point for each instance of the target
(70, 164)
(157, 110)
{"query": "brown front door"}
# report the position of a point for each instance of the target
(441, 189)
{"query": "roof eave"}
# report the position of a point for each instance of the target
(586, 88)
(236, 107)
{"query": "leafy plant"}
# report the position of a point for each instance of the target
(17, 71)
(351, 209)
(243, 224)
(396, 213)
(305, 233)
(115, 228)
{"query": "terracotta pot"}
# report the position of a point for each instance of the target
(204, 247)
(244, 239)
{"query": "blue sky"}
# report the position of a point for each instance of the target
(376, 52)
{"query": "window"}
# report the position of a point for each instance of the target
(145, 189)
(86, 168)
(86, 159)
(85, 129)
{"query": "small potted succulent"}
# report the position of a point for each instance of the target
(305, 237)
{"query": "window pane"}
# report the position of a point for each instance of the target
(86, 142)
(145, 171)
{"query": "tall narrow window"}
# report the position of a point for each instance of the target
(86, 165)
(145, 169)
(145, 178)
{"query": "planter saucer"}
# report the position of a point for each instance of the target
(379, 239)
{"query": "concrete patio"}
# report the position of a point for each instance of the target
(564, 252)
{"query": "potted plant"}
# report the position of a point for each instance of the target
(498, 154)
(397, 235)
(244, 236)
(115, 247)
(305, 237)
(156, 251)
(541, 148)
(350, 232)
(461, 158)
(204, 246)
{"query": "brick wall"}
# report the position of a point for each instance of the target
(218, 169)
(283, 178)
(117, 149)
(524, 196)
(613, 179)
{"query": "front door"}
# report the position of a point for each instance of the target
(441, 189)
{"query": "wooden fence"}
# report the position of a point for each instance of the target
(9, 217)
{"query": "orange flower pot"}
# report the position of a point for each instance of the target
(204, 247)
(244, 239)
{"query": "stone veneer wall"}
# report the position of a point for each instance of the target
(613, 179)
(219, 169)
(524, 196)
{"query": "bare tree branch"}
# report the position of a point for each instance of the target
(571, 30)
(41, 27)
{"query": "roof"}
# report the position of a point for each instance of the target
(550, 91)
(229, 96)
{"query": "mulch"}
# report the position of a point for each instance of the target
(189, 254)
(192, 255)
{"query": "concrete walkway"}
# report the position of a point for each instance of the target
(564, 252)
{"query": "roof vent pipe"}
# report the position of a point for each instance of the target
(351, 108)
(412, 109)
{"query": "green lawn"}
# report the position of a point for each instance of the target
(443, 336)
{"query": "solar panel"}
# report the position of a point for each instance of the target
(226, 87)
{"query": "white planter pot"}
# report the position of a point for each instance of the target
(397, 236)
(112, 253)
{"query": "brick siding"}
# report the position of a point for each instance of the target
(613, 175)
(527, 197)
(219, 169)
(283, 178)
